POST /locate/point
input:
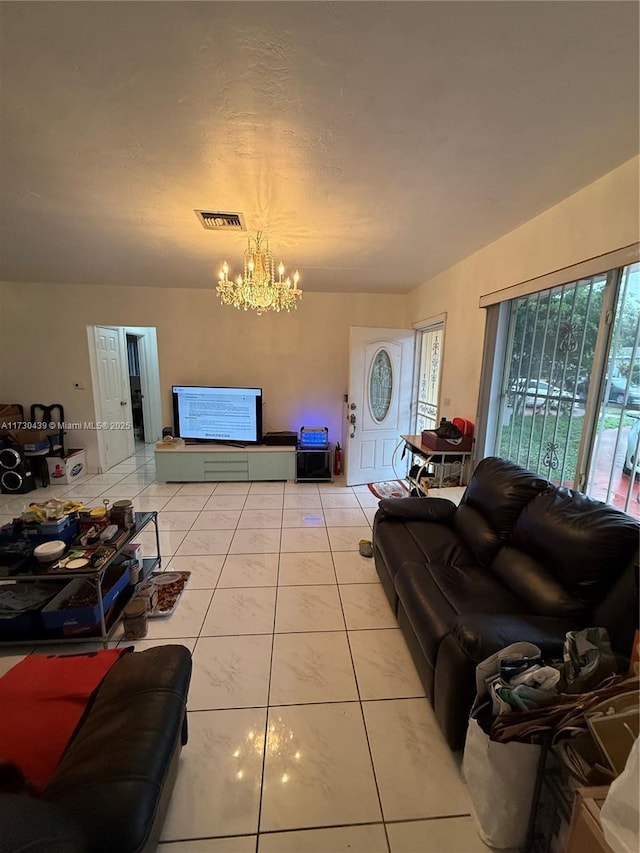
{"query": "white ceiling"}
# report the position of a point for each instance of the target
(375, 143)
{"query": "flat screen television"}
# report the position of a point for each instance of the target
(227, 415)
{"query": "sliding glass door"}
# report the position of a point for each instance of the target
(614, 467)
(569, 402)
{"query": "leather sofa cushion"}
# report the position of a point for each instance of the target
(434, 594)
(582, 542)
(418, 509)
(534, 584)
(497, 492)
(398, 542)
(481, 635)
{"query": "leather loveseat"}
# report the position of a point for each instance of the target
(112, 787)
(518, 559)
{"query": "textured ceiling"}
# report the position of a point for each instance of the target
(375, 143)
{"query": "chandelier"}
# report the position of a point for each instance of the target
(259, 289)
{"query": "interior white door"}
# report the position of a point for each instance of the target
(379, 405)
(112, 407)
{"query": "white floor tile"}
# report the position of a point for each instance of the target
(384, 668)
(248, 610)
(302, 500)
(168, 520)
(233, 489)
(259, 519)
(205, 570)
(249, 570)
(344, 517)
(197, 489)
(218, 786)
(169, 541)
(186, 503)
(344, 839)
(368, 499)
(318, 770)
(344, 500)
(121, 492)
(161, 489)
(366, 606)
(308, 608)
(370, 514)
(150, 503)
(236, 844)
(310, 517)
(352, 567)
(225, 502)
(203, 542)
(266, 489)
(264, 501)
(255, 542)
(347, 538)
(300, 569)
(314, 667)
(444, 835)
(417, 775)
(230, 672)
(304, 539)
(187, 618)
(217, 519)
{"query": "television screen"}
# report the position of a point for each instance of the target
(218, 414)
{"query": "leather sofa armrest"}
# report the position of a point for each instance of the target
(482, 635)
(30, 824)
(418, 509)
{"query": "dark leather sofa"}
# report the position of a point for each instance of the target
(114, 782)
(519, 559)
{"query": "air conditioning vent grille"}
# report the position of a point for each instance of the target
(221, 221)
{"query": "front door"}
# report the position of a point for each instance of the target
(113, 403)
(379, 404)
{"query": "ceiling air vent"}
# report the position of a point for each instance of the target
(218, 221)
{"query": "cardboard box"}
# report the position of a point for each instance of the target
(32, 440)
(68, 469)
(56, 615)
(432, 442)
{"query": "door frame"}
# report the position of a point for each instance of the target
(148, 355)
(149, 380)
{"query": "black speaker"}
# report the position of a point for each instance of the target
(16, 476)
(167, 432)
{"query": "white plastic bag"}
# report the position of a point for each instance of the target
(500, 776)
(620, 812)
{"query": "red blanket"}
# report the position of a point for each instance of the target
(42, 699)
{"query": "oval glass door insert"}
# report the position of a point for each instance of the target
(380, 385)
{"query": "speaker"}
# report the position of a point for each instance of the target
(16, 476)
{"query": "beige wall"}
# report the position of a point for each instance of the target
(299, 359)
(598, 219)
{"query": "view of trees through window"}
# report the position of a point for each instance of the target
(549, 372)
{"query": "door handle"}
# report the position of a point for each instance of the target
(352, 421)
(123, 402)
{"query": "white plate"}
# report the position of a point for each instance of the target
(166, 577)
(78, 563)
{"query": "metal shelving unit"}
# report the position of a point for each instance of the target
(149, 564)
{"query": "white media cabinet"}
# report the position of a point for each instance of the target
(196, 463)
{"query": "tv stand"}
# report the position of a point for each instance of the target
(200, 463)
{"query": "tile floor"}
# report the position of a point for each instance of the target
(309, 728)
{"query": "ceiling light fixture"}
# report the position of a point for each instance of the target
(259, 289)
